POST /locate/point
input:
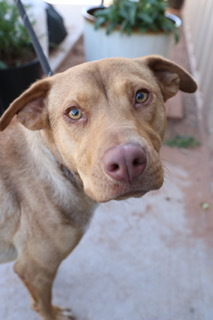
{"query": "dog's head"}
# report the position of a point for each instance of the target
(105, 121)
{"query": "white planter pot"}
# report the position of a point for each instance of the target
(98, 45)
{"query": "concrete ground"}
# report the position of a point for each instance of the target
(141, 259)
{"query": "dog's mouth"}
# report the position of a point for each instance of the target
(131, 194)
(117, 193)
(123, 193)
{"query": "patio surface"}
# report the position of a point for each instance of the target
(141, 259)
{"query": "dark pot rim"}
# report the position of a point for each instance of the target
(21, 66)
(88, 15)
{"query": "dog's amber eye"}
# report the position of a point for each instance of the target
(141, 96)
(75, 114)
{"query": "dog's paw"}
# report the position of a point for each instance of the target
(63, 314)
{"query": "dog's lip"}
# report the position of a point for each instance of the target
(129, 194)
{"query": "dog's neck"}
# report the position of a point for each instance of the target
(65, 187)
(72, 177)
(51, 159)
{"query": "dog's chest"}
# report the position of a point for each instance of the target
(68, 202)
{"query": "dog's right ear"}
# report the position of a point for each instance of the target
(29, 107)
(170, 76)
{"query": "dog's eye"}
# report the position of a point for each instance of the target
(75, 114)
(141, 96)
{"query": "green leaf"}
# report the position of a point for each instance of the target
(146, 18)
(144, 15)
(110, 27)
(14, 39)
(99, 22)
(183, 142)
(132, 14)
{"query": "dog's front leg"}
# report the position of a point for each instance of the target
(38, 281)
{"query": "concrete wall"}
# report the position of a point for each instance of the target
(199, 32)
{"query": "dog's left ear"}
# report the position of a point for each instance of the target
(29, 107)
(170, 76)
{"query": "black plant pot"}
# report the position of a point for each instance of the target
(14, 80)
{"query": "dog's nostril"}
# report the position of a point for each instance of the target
(137, 162)
(114, 167)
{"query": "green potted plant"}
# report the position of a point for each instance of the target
(129, 28)
(19, 66)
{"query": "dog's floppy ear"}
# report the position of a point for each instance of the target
(170, 76)
(29, 107)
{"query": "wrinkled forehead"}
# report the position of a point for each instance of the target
(102, 77)
(109, 71)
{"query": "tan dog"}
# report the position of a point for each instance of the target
(88, 135)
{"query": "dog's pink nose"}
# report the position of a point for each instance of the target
(125, 163)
